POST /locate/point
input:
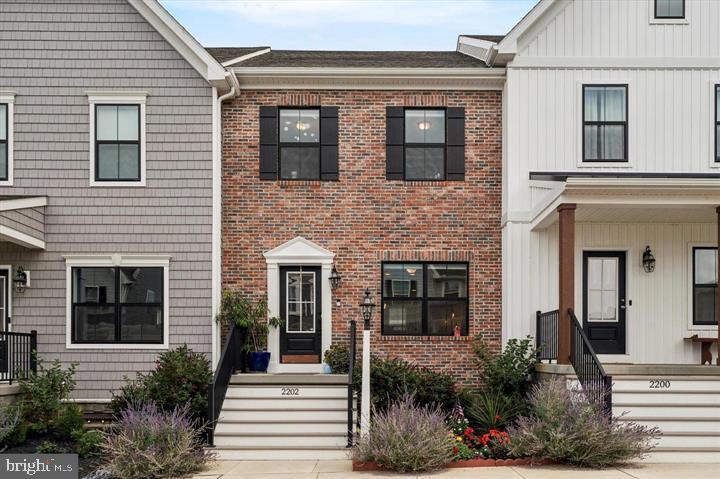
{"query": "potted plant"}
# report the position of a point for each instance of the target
(254, 320)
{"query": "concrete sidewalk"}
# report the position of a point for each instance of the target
(341, 469)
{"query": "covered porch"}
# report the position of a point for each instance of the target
(600, 235)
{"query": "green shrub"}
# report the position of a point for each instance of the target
(148, 443)
(511, 371)
(407, 437)
(490, 410)
(252, 317)
(43, 392)
(11, 425)
(180, 376)
(88, 443)
(563, 426)
(49, 447)
(69, 419)
(338, 358)
(393, 379)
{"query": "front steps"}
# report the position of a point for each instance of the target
(283, 417)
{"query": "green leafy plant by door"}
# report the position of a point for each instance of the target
(252, 317)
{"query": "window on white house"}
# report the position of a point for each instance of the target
(117, 305)
(117, 142)
(717, 123)
(605, 123)
(704, 285)
(669, 8)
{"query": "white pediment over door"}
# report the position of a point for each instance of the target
(299, 250)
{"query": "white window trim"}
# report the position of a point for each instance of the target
(8, 97)
(116, 260)
(666, 21)
(692, 327)
(117, 97)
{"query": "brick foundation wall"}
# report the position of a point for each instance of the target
(364, 218)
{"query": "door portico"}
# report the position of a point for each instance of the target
(298, 252)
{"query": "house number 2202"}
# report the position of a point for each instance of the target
(290, 392)
(659, 384)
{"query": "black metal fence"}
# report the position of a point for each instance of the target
(596, 383)
(17, 355)
(546, 334)
(230, 360)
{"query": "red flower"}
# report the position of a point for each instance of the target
(455, 450)
(498, 417)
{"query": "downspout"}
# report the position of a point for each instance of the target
(217, 210)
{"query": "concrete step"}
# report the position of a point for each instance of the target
(685, 441)
(297, 415)
(679, 425)
(288, 403)
(695, 456)
(659, 411)
(666, 397)
(289, 379)
(282, 454)
(281, 440)
(273, 391)
(282, 427)
(666, 384)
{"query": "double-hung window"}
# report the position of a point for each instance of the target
(605, 125)
(117, 142)
(118, 305)
(717, 123)
(299, 144)
(425, 298)
(424, 144)
(704, 286)
(4, 141)
(670, 9)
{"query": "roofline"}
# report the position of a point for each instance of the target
(183, 42)
(247, 56)
(508, 45)
(254, 78)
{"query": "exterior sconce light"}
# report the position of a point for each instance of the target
(20, 280)
(335, 278)
(648, 260)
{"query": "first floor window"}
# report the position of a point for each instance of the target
(4, 154)
(605, 123)
(300, 144)
(424, 298)
(669, 8)
(117, 305)
(117, 142)
(704, 285)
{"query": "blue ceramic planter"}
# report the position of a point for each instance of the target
(259, 361)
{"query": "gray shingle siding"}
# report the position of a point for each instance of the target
(51, 53)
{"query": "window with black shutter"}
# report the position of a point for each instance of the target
(299, 143)
(425, 144)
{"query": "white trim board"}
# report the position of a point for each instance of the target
(8, 98)
(18, 237)
(117, 260)
(22, 203)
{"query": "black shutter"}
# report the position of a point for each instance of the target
(394, 142)
(268, 143)
(456, 143)
(329, 143)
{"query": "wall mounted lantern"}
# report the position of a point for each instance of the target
(648, 260)
(20, 280)
(335, 278)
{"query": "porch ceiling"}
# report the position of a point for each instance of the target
(645, 214)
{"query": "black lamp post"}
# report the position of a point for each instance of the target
(367, 307)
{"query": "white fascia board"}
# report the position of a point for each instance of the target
(246, 57)
(370, 78)
(21, 203)
(508, 45)
(14, 236)
(182, 41)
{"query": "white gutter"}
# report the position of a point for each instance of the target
(217, 211)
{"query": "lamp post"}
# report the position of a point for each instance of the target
(367, 307)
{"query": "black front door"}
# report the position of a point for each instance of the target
(300, 310)
(604, 300)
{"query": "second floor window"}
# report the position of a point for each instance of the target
(4, 153)
(669, 8)
(117, 142)
(299, 144)
(605, 123)
(424, 144)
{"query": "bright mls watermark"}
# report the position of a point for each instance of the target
(40, 466)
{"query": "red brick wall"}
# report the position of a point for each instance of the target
(364, 218)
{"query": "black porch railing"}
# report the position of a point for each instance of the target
(230, 360)
(17, 355)
(350, 386)
(596, 383)
(546, 334)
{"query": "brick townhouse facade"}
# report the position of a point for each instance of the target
(374, 224)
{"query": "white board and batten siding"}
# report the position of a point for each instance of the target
(671, 69)
(51, 55)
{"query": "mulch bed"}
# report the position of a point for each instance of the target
(87, 465)
(522, 461)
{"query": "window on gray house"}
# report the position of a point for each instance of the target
(704, 285)
(424, 298)
(605, 127)
(117, 305)
(669, 8)
(117, 142)
(3, 141)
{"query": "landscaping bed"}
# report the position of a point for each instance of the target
(33, 444)
(479, 462)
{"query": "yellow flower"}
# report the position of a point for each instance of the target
(458, 438)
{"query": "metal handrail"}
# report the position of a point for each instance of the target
(546, 334)
(17, 355)
(230, 360)
(595, 381)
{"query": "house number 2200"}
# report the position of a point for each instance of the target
(290, 392)
(659, 384)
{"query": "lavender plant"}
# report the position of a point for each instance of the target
(10, 422)
(406, 437)
(148, 443)
(564, 426)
